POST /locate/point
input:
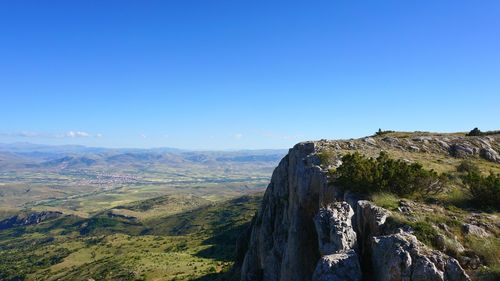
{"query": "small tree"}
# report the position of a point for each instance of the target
(475, 132)
(485, 191)
(383, 174)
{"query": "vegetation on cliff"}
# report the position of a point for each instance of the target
(366, 175)
(443, 188)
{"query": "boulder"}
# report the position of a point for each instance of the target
(370, 140)
(489, 154)
(474, 230)
(461, 150)
(390, 140)
(338, 267)
(414, 148)
(402, 257)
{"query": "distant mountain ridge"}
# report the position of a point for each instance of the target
(30, 156)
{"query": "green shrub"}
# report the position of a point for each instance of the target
(485, 191)
(475, 132)
(383, 174)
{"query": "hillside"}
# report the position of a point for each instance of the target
(72, 212)
(310, 228)
(146, 219)
(157, 244)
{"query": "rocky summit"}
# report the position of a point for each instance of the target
(308, 229)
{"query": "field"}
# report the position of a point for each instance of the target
(141, 217)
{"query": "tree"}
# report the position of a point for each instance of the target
(475, 132)
(368, 175)
(485, 191)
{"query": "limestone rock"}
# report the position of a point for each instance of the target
(338, 267)
(334, 228)
(391, 140)
(402, 257)
(474, 230)
(283, 243)
(462, 150)
(490, 154)
(414, 148)
(370, 140)
(370, 218)
(443, 144)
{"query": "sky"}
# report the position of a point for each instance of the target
(244, 74)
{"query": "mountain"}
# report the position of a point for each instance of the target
(310, 228)
(35, 156)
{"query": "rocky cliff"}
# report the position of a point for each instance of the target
(307, 229)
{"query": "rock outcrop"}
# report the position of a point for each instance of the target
(402, 257)
(337, 244)
(343, 266)
(309, 230)
(334, 228)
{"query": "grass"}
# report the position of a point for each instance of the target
(487, 248)
(197, 244)
(424, 231)
(385, 200)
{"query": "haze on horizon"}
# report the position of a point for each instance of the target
(244, 74)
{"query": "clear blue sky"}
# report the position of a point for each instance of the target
(244, 73)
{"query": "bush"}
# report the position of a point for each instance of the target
(485, 191)
(475, 132)
(368, 175)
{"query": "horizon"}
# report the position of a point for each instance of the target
(138, 148)
(233, 75)
(209, 150)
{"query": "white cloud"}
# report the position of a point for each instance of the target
(238, 136)
(77, 134)
(143, 136)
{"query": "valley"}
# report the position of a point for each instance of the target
(126, 215)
